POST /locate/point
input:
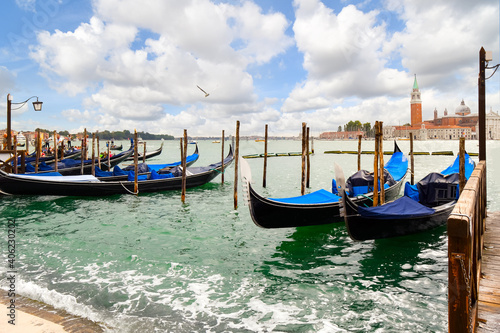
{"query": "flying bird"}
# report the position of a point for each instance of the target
(206, 94)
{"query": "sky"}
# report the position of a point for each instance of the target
(127, 64)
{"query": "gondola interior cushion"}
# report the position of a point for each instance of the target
(436, 188)
(362, 182)
(155, 175)
(404, 207)
(131, 177)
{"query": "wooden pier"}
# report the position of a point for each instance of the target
(474, 260)
(489, 283)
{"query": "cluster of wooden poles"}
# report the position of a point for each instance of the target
(378, 162)
(305, 154)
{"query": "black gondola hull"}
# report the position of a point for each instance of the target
(361, 228)
(12, 185)
(267, 213)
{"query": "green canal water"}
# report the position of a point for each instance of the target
(152, 264)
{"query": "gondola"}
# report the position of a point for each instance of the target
(88, 185)
(424, 206)
(115, 147)
(319, 207)
(70, 153)
(70, 167)
(144, 169)
(149, 154)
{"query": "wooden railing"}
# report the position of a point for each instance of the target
(466, 226)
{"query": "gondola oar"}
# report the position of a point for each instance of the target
(340, 180)
(339, 177)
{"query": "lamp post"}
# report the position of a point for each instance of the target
(36, 105)
(484, 58)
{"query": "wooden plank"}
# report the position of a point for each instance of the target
(489, 285)
(489, 317)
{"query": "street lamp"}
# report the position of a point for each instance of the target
(36, 105)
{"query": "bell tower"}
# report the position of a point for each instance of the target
(416, 104)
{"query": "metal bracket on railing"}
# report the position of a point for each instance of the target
(469, 218)
(461, 257)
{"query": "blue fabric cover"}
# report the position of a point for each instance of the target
(403, 207)
(362, 182)
(334, 187)
(100, 173)
(117, 171)
(320, 196)
(131, 176)
(397, 165)
(44, 167)
(434, 182)
(29, 168)
(157, 167)
(71, 163)
(411, 191)
(155, 175)
(455, 167)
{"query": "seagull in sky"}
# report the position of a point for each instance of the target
(206, 94)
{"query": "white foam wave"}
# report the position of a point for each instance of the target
(57, 300)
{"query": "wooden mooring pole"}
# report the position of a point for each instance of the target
(136, 162)
(308, 160)
(265, 158)
(359, 152)
(236, 154)
(98, 153)
(183, 161)
(375, 166)
(303, 178)
(222, 158)
(93, 154)
(461, 163)
(15, 154)
(55, 151)
(381, 161)
(38, 150)
(109, 157)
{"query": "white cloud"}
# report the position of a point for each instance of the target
(188, 43)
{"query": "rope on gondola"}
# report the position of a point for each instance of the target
(126, 189)
(367, 198)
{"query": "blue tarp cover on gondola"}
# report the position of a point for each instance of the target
(403, 207)
(413, 191)
(317, 197)
(397, 166)
(158, 167)
(362, 182)
(436, 187)
(454, 168)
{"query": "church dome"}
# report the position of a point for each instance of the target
(462, 109)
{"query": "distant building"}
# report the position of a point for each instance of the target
(449, 127)
(341, 135)
(493, 125)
